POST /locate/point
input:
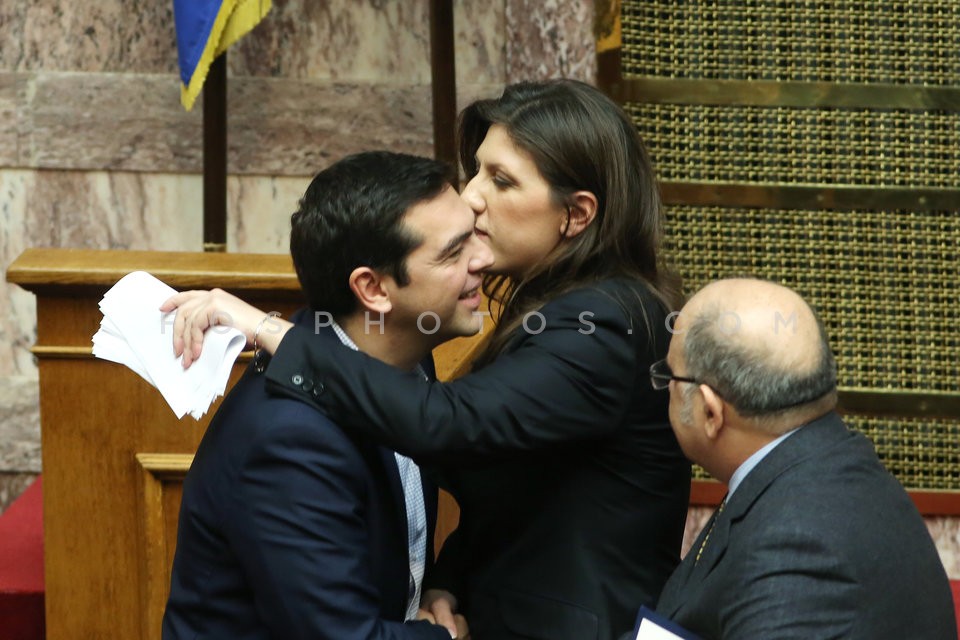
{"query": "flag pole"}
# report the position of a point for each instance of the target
(215, 157)
(443, 81)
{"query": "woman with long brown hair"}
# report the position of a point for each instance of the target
(572, 489)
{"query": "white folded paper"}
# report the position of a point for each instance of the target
(135, 333)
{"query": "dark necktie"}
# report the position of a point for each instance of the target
(713, 523)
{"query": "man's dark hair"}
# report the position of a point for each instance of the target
(351, 216)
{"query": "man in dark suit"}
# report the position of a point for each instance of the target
(289, 527)
(815, 539)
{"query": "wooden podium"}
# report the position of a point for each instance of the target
(114, 454)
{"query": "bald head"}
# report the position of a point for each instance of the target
(760, 346)
(765, 319)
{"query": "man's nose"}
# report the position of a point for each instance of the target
(482, 257)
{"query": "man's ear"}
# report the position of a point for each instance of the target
(369, 288)
(713, 412)
(580, 213)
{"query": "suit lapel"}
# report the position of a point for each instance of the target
(429, 487)
(686, 576)
(715, 547)
(396, 490)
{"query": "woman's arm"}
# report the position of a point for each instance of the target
(571, 381)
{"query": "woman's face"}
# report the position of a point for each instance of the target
(516, 216)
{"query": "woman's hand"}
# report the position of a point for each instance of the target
(197, 311)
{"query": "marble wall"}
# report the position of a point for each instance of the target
(96, 151)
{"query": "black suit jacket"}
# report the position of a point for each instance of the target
(818, 541)
(572, 488)
(289, 528)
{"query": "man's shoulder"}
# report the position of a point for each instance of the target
(258, 418)
(839, 486)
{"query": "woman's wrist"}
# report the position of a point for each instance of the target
(269, 332)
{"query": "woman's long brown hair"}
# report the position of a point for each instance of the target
(579, 140)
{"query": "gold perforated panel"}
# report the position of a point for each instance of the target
(923, 454)
(886, 281)
(887, 285)
(781, 145)
(860, 41)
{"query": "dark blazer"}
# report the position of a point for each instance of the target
(572, 488)
(289, 528)
(818, 541)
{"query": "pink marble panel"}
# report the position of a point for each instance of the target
(369, 41)
(945, 531)
(106, 35)
(258, 212)
(338, 40)
(115, 210)
(13, 99)
(549, 40)
(110, 121)
(274, 126)
(12, 485)
(17, 307)
(290, 127)
(479, 42)
(96, 210)
(19, 424)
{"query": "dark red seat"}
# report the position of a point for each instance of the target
(21, 567)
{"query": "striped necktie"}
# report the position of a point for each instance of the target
(713, 523)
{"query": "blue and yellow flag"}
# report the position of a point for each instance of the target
(205, 29)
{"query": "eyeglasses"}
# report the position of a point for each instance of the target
(661, 375)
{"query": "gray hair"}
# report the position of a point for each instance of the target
(744, 376)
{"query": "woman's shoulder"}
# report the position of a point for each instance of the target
(627, 297)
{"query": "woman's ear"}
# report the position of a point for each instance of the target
(580, 214)
(369, 288)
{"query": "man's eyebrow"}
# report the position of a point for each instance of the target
(453, 244)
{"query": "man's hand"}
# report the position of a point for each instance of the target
(442, 606)
(460, 624)
(463, 631)
(423, 614)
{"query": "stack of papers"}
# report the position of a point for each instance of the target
(135, 333)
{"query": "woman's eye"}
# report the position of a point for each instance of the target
(500, 182)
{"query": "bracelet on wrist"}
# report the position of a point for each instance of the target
(256, 333)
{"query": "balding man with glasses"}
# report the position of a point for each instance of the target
(815, 539)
